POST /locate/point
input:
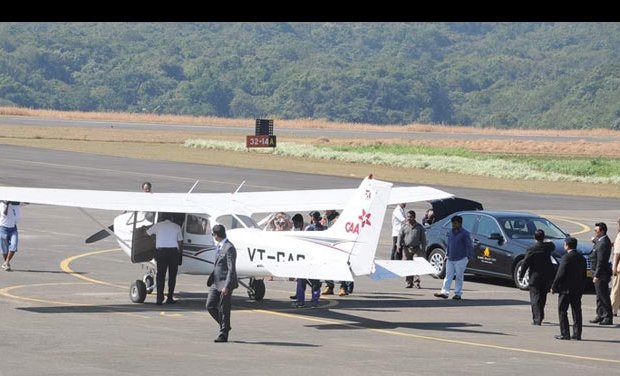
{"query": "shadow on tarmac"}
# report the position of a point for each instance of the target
(344, 311)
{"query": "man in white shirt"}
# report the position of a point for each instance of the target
(398, 218)
(168, 244)
(9, 216)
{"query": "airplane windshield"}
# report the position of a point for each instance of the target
(236, 221)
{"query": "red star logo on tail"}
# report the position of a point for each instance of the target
(365, 218)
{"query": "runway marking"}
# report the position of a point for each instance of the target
(64, 266)
(584, 228)
(6, 292)
(436, 339)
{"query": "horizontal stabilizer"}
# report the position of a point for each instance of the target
(397, 268)
(328, 271)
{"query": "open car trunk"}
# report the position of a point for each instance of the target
(444, 207)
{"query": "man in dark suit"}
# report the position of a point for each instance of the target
(570, 282)
(222, 282)
(602, 275)
(537, 262)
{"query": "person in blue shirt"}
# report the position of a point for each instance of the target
(460, 251)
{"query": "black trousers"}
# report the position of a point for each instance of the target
(167, 260)
(538, 299)
(218, 307)
(603, 301)
(574, 300)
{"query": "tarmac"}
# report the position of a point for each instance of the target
(65, 307)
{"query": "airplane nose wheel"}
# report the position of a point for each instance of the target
(137, 291)
(256, 291)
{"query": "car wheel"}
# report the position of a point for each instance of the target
(522, 284)
(437, 258)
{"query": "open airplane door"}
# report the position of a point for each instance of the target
(142, 245)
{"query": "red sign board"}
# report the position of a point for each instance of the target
(260, 141)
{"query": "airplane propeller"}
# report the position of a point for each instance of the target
(99, 235)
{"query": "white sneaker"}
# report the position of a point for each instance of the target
(4, 265)
(8, 267)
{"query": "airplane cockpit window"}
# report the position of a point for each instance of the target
(236, 221)
(197, 225)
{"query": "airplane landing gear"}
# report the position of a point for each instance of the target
(256, 289)
(149, 281)
(137, 291)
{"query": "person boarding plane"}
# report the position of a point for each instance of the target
(345, 250)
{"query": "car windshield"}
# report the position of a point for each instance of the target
(521, 227)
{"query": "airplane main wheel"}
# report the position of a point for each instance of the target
(258, 285)
(150, 284)
(137, 291)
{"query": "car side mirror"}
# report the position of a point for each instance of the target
(496, 236)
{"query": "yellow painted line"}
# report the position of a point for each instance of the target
(584, 228)
(65, 267)
(496, 347)
(436, 339)
(6, 292)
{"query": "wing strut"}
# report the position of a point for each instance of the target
(191, 189)
(240, 185)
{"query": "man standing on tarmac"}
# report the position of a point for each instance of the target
(168, 244)
(615, 286)
(412, 236)
(398, 218)
(537, 263)
(460, 251)
(222, 281)
(570, 282)
(601, 275)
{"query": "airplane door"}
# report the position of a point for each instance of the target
(197, 233)
(142, 245)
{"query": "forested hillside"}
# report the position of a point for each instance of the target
(527, 75)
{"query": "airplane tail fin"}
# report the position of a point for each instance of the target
(359, 225)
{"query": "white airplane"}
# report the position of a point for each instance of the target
(344, 250)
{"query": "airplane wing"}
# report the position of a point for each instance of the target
(397, 268)
(328, 271)
(130, 201)
(240, 202)
(322, 199)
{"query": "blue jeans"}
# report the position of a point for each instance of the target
(8, 239)
(454, 268)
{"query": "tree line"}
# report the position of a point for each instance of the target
(507, 75)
